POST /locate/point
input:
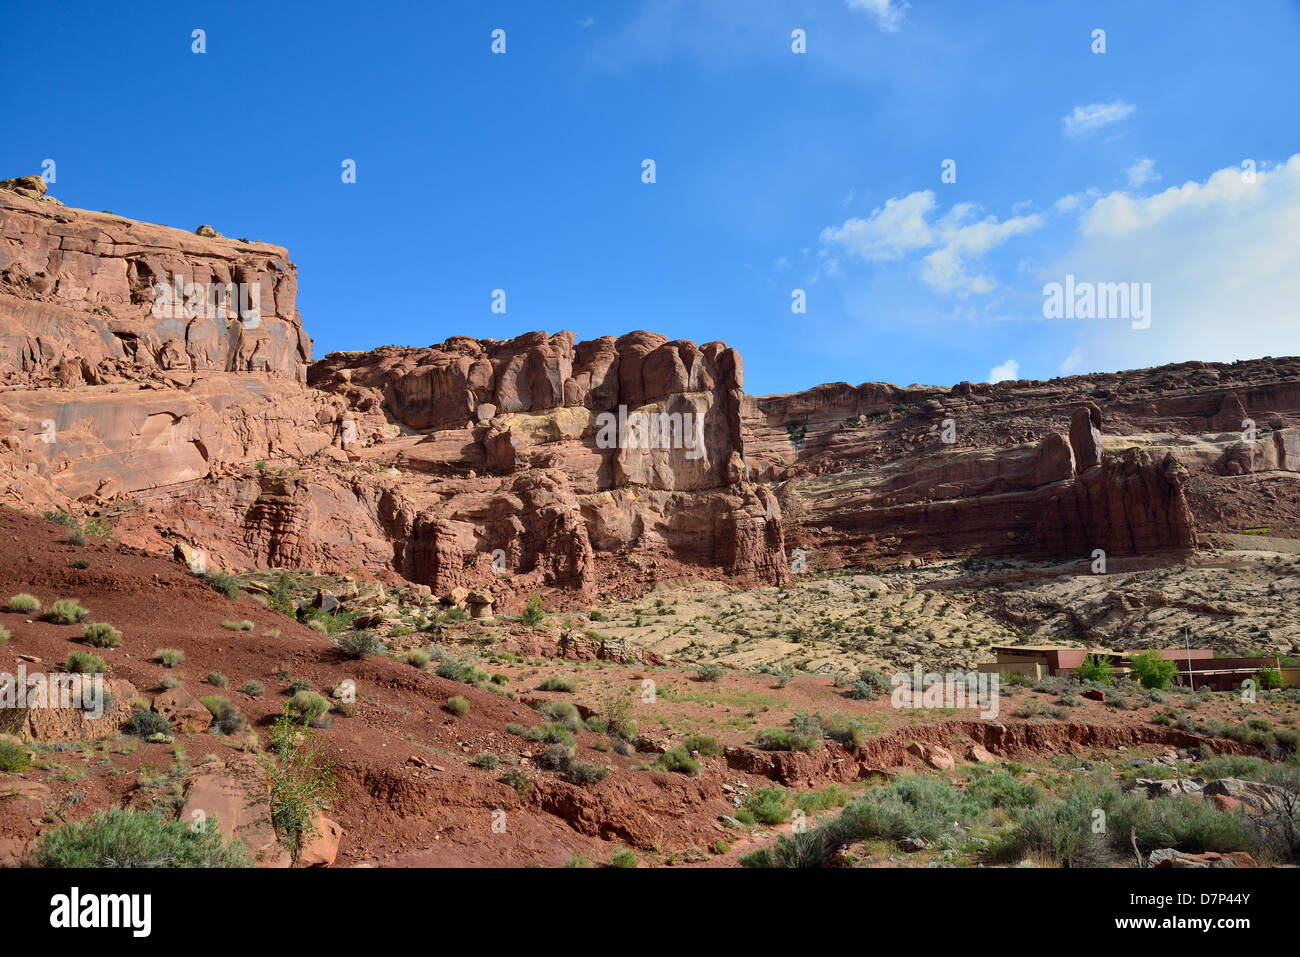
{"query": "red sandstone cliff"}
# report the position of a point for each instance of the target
(485, 462)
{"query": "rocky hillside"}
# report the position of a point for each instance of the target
(490, 464)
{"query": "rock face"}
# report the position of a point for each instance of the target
(80, 291)
(590, 468)
(535, 391)
(1085, 437)
(64, 712)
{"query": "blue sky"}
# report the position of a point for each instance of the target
(775, 170)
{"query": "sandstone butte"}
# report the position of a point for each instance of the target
(225, 442)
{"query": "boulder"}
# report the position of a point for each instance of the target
(1256, 797)
(1170, 857)
(238, 794)
(479, 603)
(325, 601)
(32, 187)
(186, 713)
(940, 759)
(979, 755)
(369, 595)
(323, 847)
(1166, 788)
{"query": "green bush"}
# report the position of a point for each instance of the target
(556, 683)
(169, 657)
(98, 528)
(237, 625)
(781, 739)
(846, 731)
(13, 756)
(761, 858)
(122, 838)
(83, 662)
(622, 858)
(709, 672)
(563, 712)
(253, 689)
(801, 849)
(1060, 830)
(102, 635)
(325, 622)
(869, 686)
(281, 599)
(307, 706)
(518, 780)
(217, 679)
(1152, 671)
(23, 604)
(358, 644)
(227, 585)
(678, 760)
(533, 612)
(551, 732)
(1188, 824)
(1096, 668)
(416, 658)
(584, 772)
(225, 716)
(463, 670)
(486, 761)
(920, 807)
(703, 744)
(458, 706)
(143, 723)
(1246, 767)
(769, 805)
(554, 757)
(67, 611)
(1001, 789)
(617, 715)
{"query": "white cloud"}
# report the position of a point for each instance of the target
(1088, 119)
(587, 22)
(1141, 172)
(1008, 370)
(903, 225)
(1223, 261)
(889, 14)
(945, 268)
(890, 231)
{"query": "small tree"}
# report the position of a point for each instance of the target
(1152, 671)
(533, 612)
(1270, 678)
(1096, 668)
(302, 782)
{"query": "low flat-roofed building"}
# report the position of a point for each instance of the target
(1197, 667)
